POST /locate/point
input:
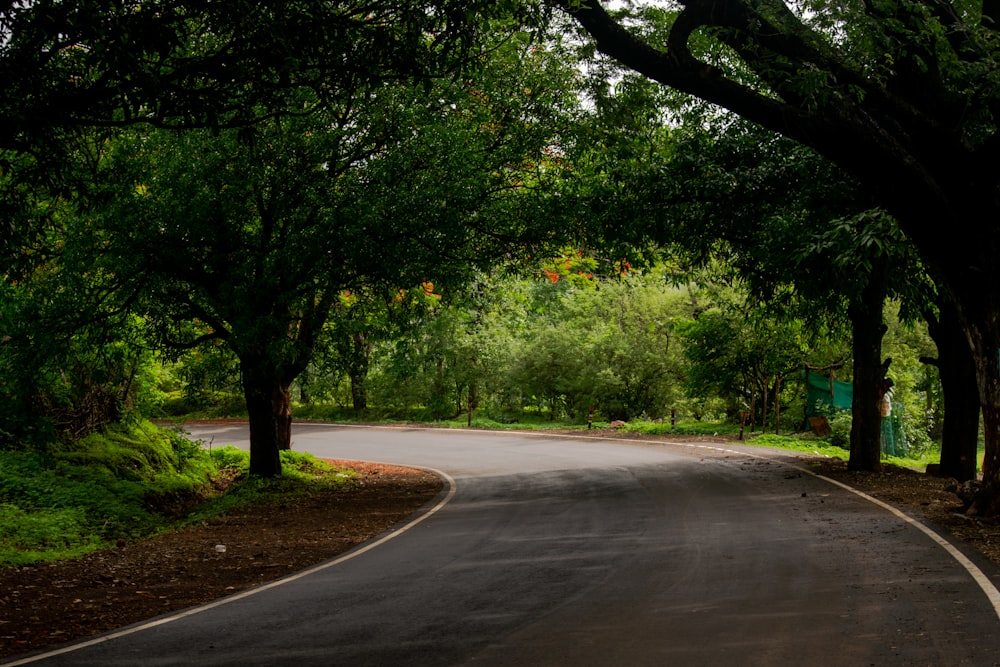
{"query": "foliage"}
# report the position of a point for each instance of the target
(261, 239)
(502, 336)
(62, 377)
(840, 429)
(219, 64)
(798, 444)
(608, 344)
(384, 182)
(206, 371)
(360, 320)
(125, 485)
(901, 96)
(73, 499)
(682, 428)
(821, 448)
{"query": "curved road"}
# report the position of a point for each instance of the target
(555, 551)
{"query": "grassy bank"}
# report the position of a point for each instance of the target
(125, 485)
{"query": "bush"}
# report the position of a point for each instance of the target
(75, 497)
(840, 429)
(230, 457)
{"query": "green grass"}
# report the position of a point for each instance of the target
(681, 428)
(128, 484)
(799, 445)
(530, 424)
(817, 446)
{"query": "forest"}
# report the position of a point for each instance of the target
(500, 212)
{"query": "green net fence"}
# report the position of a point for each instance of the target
(826, 395)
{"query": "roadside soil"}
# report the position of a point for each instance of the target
(48, 605)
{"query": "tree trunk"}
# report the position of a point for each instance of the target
(359, 390)
(957, 370)
(764, 407)
(269, 410)
(981, 319)
(777, 404)
(357, 369)
(867, 330)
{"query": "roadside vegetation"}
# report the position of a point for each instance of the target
(127, 484)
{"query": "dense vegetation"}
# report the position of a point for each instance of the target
(126, 484)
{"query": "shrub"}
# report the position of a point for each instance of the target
(840, 429)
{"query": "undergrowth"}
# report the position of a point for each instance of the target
(126, 484)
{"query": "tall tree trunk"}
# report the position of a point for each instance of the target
(270, 416)
(764, 407)
(867, 330)
(981, 319)
(957, 370)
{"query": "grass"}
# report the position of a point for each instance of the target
(128, 484)
(808, 444)
(682, 428)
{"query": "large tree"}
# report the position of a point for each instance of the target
(249, 237)
(796, 230)
(900, 94)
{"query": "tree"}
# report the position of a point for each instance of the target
(64, 373)
(957, 370)
(360, 320)
(68, 68)
(901, 95)
(195, 63)
(744, 355)
(251, 236)
(795, 230)
(607, 343)
(455, 360)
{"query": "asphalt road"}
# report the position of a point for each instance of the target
(550, 551)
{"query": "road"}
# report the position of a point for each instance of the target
(554, 551)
